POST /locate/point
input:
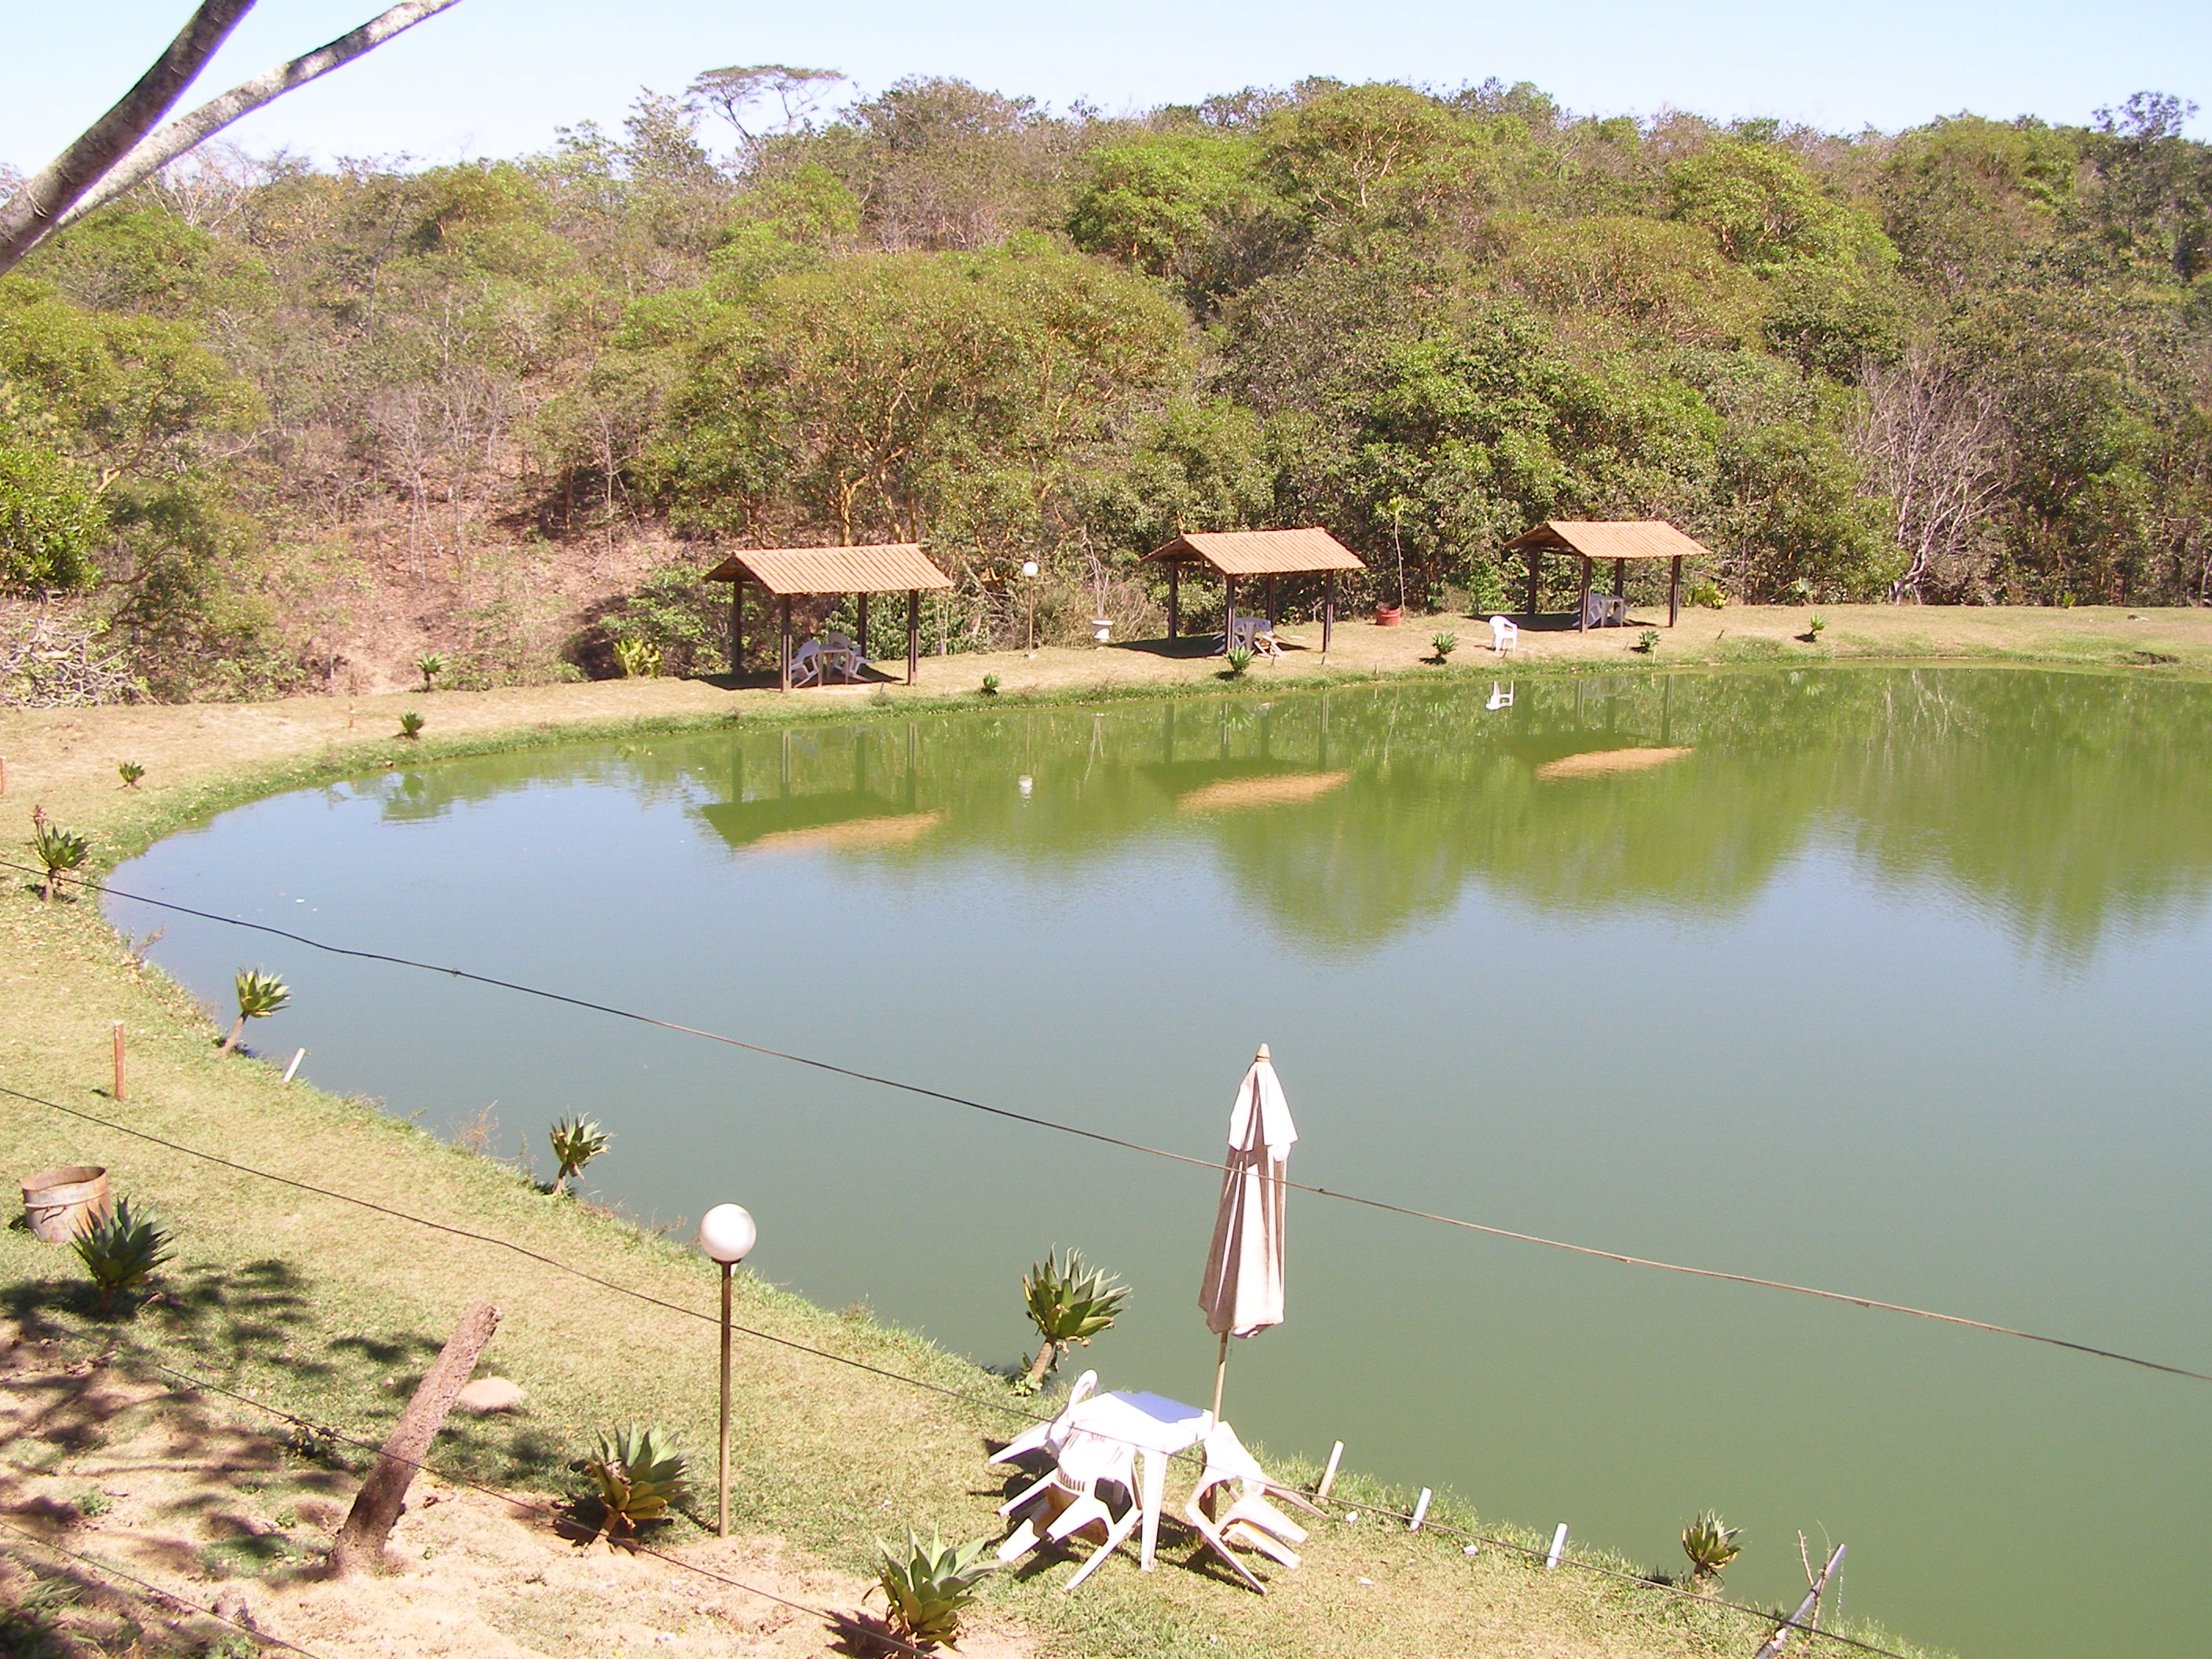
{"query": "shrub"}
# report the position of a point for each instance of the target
(576, 1142)
(121, 1249)
(429, 666)
(129, 772)
(259, 995)
(51, 521)
(684, 622)
(1069, 1303)
(1443, 645)
(924, 1589)
(637, 1474)
(1648, 641)
(64, 852)
(639, 659)
(410, 725)
(1711, 1545)
(990, 685)
(1240, 660)
(1707, 596)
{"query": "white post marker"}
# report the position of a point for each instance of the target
(1420, 1510)
(727, 1234)
(1558, 1546)
(1328, 1474)
(295, 1065)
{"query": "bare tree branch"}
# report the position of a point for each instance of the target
(151, 155)
(33, 210)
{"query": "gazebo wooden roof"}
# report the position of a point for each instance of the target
(1264, 553)
(1617, 539)
(888, 568)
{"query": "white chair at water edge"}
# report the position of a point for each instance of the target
(1251, 1521)
(1066, 1502)
(1052, 1436)
(1505, 634)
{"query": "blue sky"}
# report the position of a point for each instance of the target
(497, 76)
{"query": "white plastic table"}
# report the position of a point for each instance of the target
(1157, 1428)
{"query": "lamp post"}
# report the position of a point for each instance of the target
(1028, 575)
(727, 1234)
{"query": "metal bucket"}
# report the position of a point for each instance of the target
(57, 1201)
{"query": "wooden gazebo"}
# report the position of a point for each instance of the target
(1618, 540)
(786, 571)
(1234, 554)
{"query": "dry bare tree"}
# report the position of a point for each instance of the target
(124, 148)
(1931, 438)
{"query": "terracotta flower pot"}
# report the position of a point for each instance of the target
(1388, 615)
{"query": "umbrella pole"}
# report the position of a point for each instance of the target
(1220, 1375)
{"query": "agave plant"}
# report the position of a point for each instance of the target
(637, 1474)
(259, 995)
(120, 1250)
(410, 725)
(1443, 645)
(1648, 641)
(925, 1589)
(1069, 1303)
(576, 1142)
(1240, 659)
(129, 772)
(990, 685)
(429, 666)
(1711, 1545)
(639, 659)
(64, 852)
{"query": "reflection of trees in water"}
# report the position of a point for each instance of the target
(2064, 803)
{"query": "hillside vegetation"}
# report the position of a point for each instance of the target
(264, 427)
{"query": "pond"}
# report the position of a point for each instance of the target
(1889, 980)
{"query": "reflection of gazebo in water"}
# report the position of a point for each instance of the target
(1618, 540)
(814, 804)
(1264, 553)
(894, 568)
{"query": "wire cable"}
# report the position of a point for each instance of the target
(1100, 1137)
(98, 1565)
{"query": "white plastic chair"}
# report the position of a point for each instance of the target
(1067, 1502)
(1251, 1521)
(1052, 1436)
(806, 664)
(1505, 634)
(838, 652)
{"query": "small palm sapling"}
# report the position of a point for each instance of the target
(576, 1142)
(259, 995)
(1711, 1545)
(410, 725)
(926, 1589)
(121, 1249)
(638, 1475)
(129, 772)
(1069, 1303)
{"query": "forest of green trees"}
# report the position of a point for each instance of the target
(1968, 363)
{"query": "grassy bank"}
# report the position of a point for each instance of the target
(328, 1310)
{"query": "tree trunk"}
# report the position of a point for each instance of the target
(36, 209)
(1046, 1354)
(236, 1032)
(376, 1507)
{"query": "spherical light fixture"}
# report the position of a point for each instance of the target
(727, 1235)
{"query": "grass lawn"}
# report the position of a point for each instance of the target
(331, 1311)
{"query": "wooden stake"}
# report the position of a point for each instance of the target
(1328, 1474)
(1420, 1510)
(1558, 1546)
(376, 1507)
(118, 1061)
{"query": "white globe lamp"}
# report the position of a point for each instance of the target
(727, 1235)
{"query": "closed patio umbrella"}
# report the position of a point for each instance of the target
(1242, 1292)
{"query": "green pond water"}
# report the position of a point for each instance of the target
(1895, 983)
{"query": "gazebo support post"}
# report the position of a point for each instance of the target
(1327, 609)
(1582, 603)
(1271, 605)
(861, 627)
(1174, 597)
(1674, 592)
(1229, 613)
(1619, 579)
(783, 655)
(1535, 575)
(912, 631)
